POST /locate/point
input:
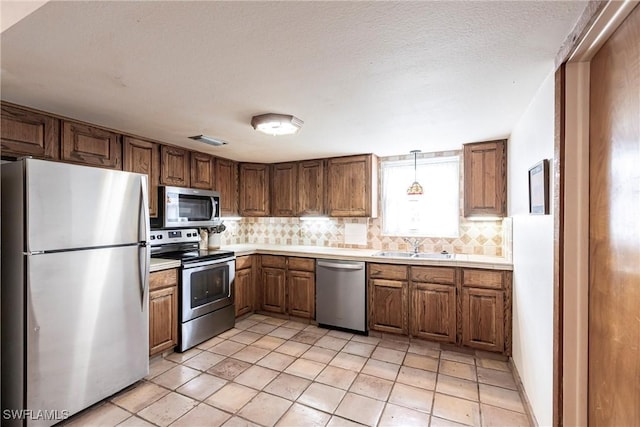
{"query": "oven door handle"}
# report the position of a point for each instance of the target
(207, 263)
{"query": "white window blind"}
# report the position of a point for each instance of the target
(433, 214)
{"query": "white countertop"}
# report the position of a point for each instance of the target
(158, 264)
(459, 260)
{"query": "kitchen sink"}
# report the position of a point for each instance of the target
(419, 255)
(424, 255)
(394, 254)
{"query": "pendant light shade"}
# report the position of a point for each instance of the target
(415, 189)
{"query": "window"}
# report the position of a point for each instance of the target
(436, 212)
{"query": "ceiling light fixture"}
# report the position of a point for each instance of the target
(415, 189)
(208, 140)
(276, 124)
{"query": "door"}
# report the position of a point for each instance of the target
(174, 166)
(311, 187)
(201, 171)
(206, 288)
(301, 293)
(614, 229)
(273, 289)
(142, 156)
(72, 206)
(483, 319)
(163, 320)
(226, 176)
(433, 311)
(87, 326)
(254, 189)
(244, 291)
(284, 189)
(388, 308)
(90, 145)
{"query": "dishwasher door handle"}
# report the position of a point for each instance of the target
(340, 265)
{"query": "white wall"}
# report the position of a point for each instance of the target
(531, 141)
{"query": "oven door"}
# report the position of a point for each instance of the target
(206, 286)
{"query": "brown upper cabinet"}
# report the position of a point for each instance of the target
(284, 185)
(89, 145)
(254, 191)
(226, 183)
(352, 185)
(26, 133)
(311, 188)
(202, 170)
(144, 157)
(174, 169)
(485, 178)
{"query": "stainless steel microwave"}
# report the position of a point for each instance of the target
(187, 207)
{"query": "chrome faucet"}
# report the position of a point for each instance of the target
(414, 242)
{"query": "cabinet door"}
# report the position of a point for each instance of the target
(311, 188)
(388, 306)
(25, 133)
(483, 319)
(254, 189)
(485, 179)
(163, 319)
(91, 146)
(244, 291)
(433, 312)
(284, 189)
(174, 168)
(226, 178)
(350, 186)
(273, 289)
(144, 157)
(301, 286)
(201, 171)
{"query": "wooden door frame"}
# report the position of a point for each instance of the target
(571, 208)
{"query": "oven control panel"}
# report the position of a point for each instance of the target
(163, 237)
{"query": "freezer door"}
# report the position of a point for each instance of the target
(70, 206)
(87, 327)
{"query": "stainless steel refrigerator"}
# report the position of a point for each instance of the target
(74, 287)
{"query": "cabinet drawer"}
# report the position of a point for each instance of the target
(434, 275)
(243, 262)
(302, 264)
(162, 279)
(388, 271)
(273, 261)
(482, 278)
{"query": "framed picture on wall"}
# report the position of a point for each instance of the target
(539, 188)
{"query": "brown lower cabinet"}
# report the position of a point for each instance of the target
(288, 285)
(163, 310)
(433, 303)
(388, 298)
(244, 285)
(486, 309)
(461, 306)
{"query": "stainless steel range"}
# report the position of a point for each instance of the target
(206, 289)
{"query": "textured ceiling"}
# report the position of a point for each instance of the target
(381, 77)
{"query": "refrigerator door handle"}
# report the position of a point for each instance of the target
(144, 251)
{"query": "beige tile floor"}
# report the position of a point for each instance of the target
(273, 372)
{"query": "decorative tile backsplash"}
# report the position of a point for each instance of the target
(476, 237)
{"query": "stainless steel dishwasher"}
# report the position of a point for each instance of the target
(341, 297)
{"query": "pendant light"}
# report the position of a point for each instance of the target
(415, 189)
